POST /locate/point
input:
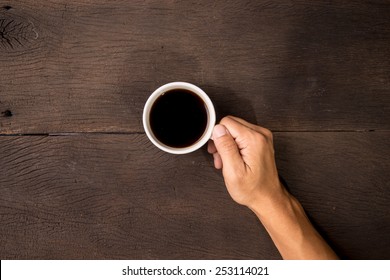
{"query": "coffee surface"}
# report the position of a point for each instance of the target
(178, 118)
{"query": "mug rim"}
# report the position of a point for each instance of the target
(211, 117)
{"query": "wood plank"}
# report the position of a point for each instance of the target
(118, 197)
(89, 66)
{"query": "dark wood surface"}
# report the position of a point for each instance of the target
(79, 178)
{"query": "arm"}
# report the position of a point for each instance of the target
(245, 154)
(290, 229)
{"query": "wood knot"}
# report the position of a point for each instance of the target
(16, 32)
(7, 113)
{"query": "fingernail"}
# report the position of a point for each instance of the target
(219, 131)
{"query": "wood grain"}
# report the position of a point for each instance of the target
(342, 180)
(118, 197)
(89, 66)
(89, 185)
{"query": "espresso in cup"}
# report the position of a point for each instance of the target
(179, 118)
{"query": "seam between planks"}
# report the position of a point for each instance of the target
(141, 133)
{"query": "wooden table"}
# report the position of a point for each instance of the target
(80, 180)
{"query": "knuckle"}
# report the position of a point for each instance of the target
(268, 133)
(264, 137)
(260, 139)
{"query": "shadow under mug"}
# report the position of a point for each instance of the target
(211, 117)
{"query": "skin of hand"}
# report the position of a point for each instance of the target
(245, 153)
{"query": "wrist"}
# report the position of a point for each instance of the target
(267, 206)
(289, 227)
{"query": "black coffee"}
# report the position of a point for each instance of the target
(178, 118)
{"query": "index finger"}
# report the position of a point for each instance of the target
(237, 130)
(266, 132)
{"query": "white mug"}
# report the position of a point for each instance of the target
(210, 117)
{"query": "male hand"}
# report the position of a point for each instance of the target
(245, 153)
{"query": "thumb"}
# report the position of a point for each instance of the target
(227, 148)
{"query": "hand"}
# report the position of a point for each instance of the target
(246, 155)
